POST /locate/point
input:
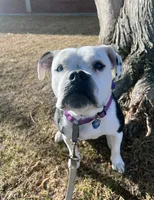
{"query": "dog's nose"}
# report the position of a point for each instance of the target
(78, 76)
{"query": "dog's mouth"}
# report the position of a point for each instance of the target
(76, 100)
(78, 97)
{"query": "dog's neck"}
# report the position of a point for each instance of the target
(88, 113)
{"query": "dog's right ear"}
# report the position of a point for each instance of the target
(44, 64)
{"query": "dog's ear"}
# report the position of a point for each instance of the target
(115, 60)
(44, 64)
(118, 68)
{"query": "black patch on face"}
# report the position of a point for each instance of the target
(80, 93)
(119, 115)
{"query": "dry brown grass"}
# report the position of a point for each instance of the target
(32, 166)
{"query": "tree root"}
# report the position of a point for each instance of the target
(139, 111)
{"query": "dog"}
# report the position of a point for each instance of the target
(81, 81)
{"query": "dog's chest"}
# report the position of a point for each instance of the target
(87, 131)
(108, 125)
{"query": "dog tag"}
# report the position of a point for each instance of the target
(96, 123)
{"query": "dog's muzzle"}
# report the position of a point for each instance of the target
(80, 90)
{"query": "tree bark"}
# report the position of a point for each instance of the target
(128, 25)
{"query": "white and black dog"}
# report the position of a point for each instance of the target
(82, 81)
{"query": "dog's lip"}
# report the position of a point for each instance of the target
(65, 104)
(78, 92)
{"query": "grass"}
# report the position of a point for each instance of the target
(32, 166)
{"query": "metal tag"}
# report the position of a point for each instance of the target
(96, 123)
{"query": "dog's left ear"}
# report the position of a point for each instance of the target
(44, 64)
(118, 68)
(115, 59)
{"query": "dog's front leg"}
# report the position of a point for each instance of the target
(69, 144)
(114, 143)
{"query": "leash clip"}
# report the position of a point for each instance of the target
(97, 117)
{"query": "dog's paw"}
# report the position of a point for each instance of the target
(58, 137)
(119, 166)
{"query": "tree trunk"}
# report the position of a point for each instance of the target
(128, 25)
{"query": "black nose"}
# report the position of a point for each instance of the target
(78, 76)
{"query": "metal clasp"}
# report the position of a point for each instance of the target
(97, 117)
(74, 159)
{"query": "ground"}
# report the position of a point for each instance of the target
(32, 166)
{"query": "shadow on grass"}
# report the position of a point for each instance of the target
(139, 161)
(49, 25)
(108, 181)
(138, 155)
(14, 115)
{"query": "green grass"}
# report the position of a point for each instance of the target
(32, 166)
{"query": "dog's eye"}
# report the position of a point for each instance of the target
(59, 68)
(98, 65)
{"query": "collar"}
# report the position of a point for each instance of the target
(87, 120)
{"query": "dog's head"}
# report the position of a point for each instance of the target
(81, 77)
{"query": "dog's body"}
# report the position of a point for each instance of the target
(81, 81)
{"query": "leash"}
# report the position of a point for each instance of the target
(74, 159)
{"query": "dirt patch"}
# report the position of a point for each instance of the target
(32, 166)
